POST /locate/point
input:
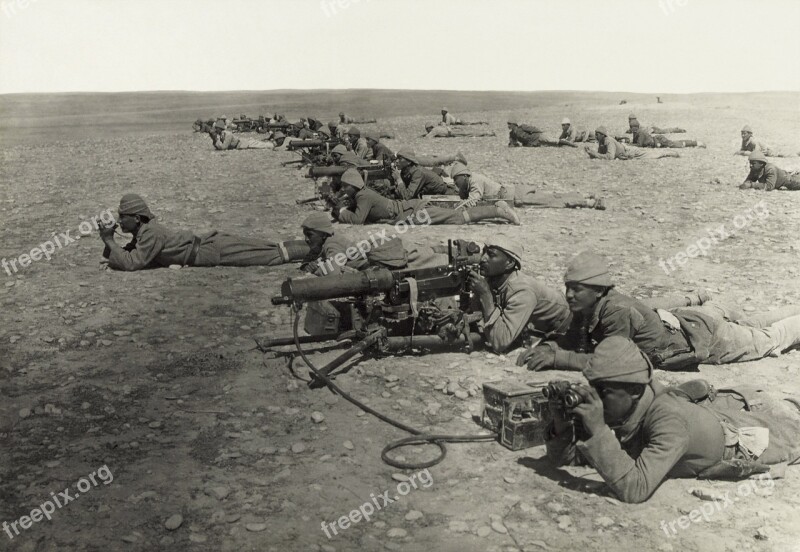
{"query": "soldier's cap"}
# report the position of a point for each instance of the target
(512, 121)
(323, 130)
(631, 116)
(565, 121)
(341, 114)
(444, 109)
(617, 358)
(757, 156)
(429, 126)
(199, 121)
(459, 169)
(633, 123)
(220, 125)
(374, 136)
(350, 158)
(747, 129)
(278, 135)
(321, 222)
(133, 204)
(353, 131)
(510, 247)
(601, 130)
(353, 178)
(339, 148)
(590, 269)
(410, 155)
(333, 124)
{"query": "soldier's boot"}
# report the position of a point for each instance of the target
(500, 210)
(590, 203)
(460, 158)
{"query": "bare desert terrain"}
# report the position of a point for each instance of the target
(154, 374)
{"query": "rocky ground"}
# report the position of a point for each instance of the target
(214, 446)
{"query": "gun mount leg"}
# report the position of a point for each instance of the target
(360, 347)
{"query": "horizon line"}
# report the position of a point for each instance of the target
(284, 90)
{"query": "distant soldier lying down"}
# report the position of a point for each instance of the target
(154, 245)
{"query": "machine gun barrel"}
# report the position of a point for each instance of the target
(297, 144)
(334, 287)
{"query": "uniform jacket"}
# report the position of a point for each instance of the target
(226, 141)
(668, 436)
(373, 207)
(618, 314)
(768, 178)
(155, 245)
(524, 305)
(417, 181)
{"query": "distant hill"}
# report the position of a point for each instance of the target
(51, 117)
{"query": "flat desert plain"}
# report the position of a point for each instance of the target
(154, 374)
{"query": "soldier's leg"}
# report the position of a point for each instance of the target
(241, 251)
(438, 215)
(529, 197)
(248, 143)
(439, 160)
(763, 320)
(794, 182)
(733, 342)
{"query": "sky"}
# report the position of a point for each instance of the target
(652, 46)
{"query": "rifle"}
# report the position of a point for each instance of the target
(384, 311)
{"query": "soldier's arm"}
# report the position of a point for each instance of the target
(635, 479)
(410, 191)
(506, 322)
(359, 216)
(148, 246)
(771, 179)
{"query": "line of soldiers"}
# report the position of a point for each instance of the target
(615, 340)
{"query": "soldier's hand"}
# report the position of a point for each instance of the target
(478, 284)
(541, 357)
(106, 232)
(590, 411)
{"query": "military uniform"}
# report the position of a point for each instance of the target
(770, 178)
(666, 434)
(643, 139)
(155, 245)
(678, 339)
(529, 137)
(572, 134)
(371, 207)
(418, 181)
(524, 306)
(608, 148)
(481, 187)
(441, 131)
(226, 140)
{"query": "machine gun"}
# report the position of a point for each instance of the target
(312, 151)
(385, 311)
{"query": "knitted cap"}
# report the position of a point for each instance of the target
(618, 358)
(133, 204)
(590, 269)
(320, 222)
(352, 177)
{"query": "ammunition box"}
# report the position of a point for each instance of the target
(519, 414)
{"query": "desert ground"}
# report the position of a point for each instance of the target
(154, 375)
